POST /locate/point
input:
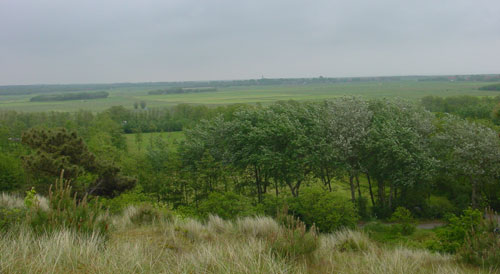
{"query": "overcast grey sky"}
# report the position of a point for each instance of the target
(82, 41)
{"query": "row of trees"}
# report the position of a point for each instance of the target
(70, 96)
(485, 108)
(392, 153)
(179, 90)
(403, 151)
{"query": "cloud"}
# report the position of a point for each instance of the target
(56, 41)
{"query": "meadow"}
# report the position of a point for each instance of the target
(127, 96)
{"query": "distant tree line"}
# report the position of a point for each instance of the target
(464, 106)
(491, 87)
(34, 89)
(461, 78)
(70, 96)
(178, 90)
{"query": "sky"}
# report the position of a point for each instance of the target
(110, 41)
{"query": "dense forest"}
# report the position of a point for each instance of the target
(70, 96)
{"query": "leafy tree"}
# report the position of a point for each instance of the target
(397, 149)
(346, 122)
(469, 151)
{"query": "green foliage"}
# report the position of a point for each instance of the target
(147, 214)
(9, 217)
(134, 197)
(468, 150)
(482, 244)
(65, 211)
(30, 199)
(12, 175)
(294, 241)
(70, 96)
(451, 237)
(405, 223)
(438, 207)
(271, 205)
(464, 106)
(397, 150)
(325, 210)
(385, 234)
(57, 150)
(491, 87)
(228, 205)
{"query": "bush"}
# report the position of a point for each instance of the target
(381, 212)
(146, 214)
(294, 240)
(226, 205)
(9, 217)
(405, 224)
(482, 245)
(11, 173)
(65, 212)
(270, 205)
(131, 198)
(326, 210)
(438, 207)
(451, 237)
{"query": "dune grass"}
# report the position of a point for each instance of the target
(177, 245)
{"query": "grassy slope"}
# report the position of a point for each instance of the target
(188, 246)
(254, 94)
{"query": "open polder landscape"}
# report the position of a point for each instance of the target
(251, 179)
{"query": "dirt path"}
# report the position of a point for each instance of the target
(426, 225)
(430, 225)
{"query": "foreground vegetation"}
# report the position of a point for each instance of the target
(142, 240)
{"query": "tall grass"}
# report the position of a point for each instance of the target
(216, 246)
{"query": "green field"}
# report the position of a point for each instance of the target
(252, 94)
(172, 138)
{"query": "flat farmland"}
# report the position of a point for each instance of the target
(412, 90)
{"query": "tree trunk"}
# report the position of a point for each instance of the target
(258, 184)
(381, 193)
(353, 192)
(359, 188)
(294, 188)
(474, 193)
(370, 188)
(391, 195)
